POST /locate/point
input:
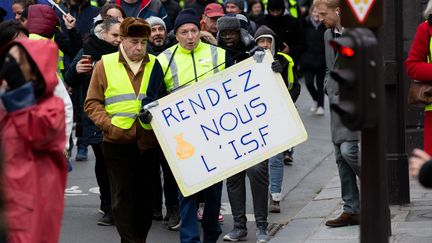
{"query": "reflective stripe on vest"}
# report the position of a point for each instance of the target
(208, 60)
(60, 62)
(290, 69)
(429, 107)
(293, 8)
(121, 103)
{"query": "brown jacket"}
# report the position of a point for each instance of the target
(95, 108)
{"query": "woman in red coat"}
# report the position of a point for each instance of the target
(418, 67)
(32, 136)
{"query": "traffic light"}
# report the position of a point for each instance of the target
(356, 73)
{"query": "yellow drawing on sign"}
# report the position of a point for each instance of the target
(364, 1)
(184, 149)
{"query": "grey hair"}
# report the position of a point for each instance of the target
(428, 10)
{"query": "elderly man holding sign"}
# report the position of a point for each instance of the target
(118, 83)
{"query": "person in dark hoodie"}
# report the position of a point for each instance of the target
(78, 76)
(286, 27)
(32, 135)
(240, 45)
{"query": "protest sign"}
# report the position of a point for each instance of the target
(217, 127)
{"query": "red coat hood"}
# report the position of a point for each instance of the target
(45, 54)
(42, 20)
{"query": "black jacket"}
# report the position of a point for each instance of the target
(314, 54)
(289, 30)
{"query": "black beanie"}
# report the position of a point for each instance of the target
(275, 4)
(186, 16)
(238, 3)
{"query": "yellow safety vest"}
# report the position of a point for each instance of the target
(94, 3)
(204, 61)
(290, 69)
(121, 103)
(429, 107)
(293, 8)
(60, 63)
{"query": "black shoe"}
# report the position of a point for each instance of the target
(106, 220)
(288, 159)
(174, 220)
(157, 214)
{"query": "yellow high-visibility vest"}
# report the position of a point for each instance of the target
(429, 107)
(204, 61)
(290, 69)
(293, 8)
(60, 63)
(121, 103)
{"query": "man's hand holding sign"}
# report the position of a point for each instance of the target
(227, 123)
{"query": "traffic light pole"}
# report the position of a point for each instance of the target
(375, 213)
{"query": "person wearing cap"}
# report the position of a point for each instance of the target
(117, 86)
(190, 61)
(211, 14)
(236, 6)
(158, 41)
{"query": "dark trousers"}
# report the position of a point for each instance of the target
(236, 187)
(102, 178)
(189, 229)
(317, 92)
(131, 173)
(170, 188)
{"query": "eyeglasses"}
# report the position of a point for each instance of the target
(228, 34)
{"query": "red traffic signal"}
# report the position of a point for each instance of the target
(344, 47)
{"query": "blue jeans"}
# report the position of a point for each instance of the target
(189, 229)
(276, 172)
(346, 155)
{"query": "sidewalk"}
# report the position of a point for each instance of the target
(410, 223)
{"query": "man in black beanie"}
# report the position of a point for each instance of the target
(234, 6)
(190, 61)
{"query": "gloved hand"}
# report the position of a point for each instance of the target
(11, 72)
(277, 66)
(145, 116)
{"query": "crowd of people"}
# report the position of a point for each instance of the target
(97, 63)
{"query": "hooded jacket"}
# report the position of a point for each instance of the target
(42, 20)
(32, 136)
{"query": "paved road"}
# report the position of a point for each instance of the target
(314, 166)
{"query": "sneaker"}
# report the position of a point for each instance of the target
(81, 154)
(274, 206)
(220, 218)
(174, 220)
(319, 111)
(262, 235)
(236, 234)
(106, 220)
(288, 159)
(157, 214)
(314, 107)
(200, 211)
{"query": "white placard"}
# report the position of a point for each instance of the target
(217, 127)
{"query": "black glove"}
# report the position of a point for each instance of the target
(145, 116)
(277, 66)
(11, 72)
(255, 49)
